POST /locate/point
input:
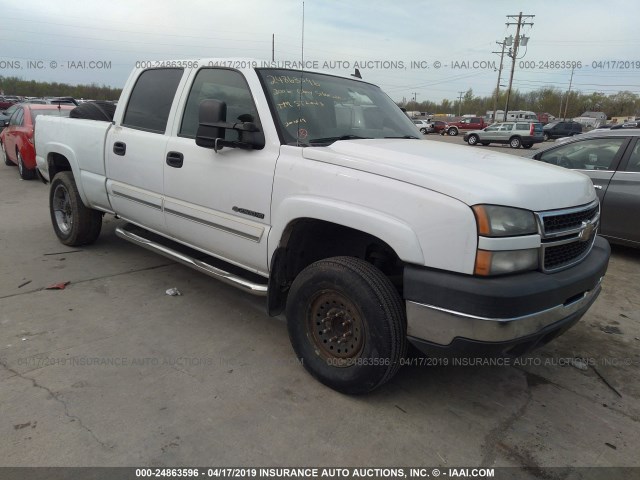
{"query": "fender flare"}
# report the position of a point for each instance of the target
(63, 150)
(393, 231)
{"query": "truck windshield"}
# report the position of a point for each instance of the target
(318, 109)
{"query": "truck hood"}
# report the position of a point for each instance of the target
(470, 174)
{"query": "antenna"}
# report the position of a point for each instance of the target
(301, 76)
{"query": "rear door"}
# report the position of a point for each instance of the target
(136, 147)
(11, 134)
(621, 205)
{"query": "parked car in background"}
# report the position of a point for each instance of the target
(424, 126)
(16, 140)
(515, 134)
(438, 126)
(612, 160)
(5, 115)
(7, 100)
(465, 124)
(53, 101)
(561, 129)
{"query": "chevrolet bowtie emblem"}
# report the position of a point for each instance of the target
(586, 231)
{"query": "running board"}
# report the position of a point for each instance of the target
(199, 265)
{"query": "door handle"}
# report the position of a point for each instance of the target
(120, 148)
(175, 159)
(598, 187)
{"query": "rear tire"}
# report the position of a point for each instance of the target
(545, 136)
(423, 131)
(74, 223)
(515, 142)
(452, 132)
(347, 324)
(25, 173)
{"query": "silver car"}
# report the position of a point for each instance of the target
(516, 134)
(611, 158)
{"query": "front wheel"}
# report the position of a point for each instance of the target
(453, 132)
(25, 173)
(347, 324)
(472, 140)
(423, 130)
(73, 223)
(6, 158)
(545, 136)
(515, 142)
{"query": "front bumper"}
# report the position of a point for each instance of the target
(506, 315)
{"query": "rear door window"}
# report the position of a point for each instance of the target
(592, 154)
(151, 99)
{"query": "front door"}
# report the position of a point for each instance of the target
(219, 202)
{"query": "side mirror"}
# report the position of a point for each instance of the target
(212, 116)
(6, 123)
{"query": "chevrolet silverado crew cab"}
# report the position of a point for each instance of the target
(314, 191)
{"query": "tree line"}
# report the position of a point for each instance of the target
(31, 88)
(547, 99)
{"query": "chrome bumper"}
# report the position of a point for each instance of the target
(442, 326)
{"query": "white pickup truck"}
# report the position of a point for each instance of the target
(313, 190)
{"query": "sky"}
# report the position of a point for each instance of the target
(428, 49)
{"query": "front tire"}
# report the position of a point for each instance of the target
(515, 142)
(73, 223)
(25, 173)
(472, 140)
(347, 324)
(452, 132)
(545, 136)
(423, 131)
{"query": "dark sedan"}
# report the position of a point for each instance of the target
(611, 158)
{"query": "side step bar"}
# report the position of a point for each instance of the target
(226, 277)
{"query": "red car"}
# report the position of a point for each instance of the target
(16, 140)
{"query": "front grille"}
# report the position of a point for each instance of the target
(568, 221)
(563, 235)
(561, 255)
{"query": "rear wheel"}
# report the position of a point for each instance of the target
(423, 130)
(515, 142)
(472, 140)
(347, 324)
(73, 223)
(453, 132)
(545, 136)
(25, 173)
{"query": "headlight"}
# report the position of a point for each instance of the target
(505, 261)
(496, 221)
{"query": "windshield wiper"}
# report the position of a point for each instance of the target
(335, 139)
(406, 136)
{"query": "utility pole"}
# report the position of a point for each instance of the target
(273, 47)
(514, 52)
(415, 97)
(566, 104)
(460, 102)
(495, 103)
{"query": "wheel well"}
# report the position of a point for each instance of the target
(307, 240)
(57, 163)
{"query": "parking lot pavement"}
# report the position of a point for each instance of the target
(112, 371)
